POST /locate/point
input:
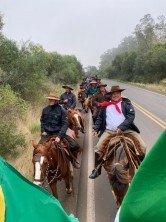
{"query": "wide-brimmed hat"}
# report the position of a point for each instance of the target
(67, 87)
(93, 82)
(53, 96)
(102, 85)
(115, 89)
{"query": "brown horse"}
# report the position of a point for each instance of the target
(120, 161)
(89, 104)
(76, 121)
(51, 163)
(81, 98)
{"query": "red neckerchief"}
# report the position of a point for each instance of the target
(111, 103)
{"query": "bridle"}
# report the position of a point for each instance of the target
(49, 172)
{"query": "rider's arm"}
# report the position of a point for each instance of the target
(73, 105)
(61, 99)
(64, 123)
(129, 114)
(42, 121)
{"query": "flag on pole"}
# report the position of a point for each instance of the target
(145, 200)
(22, 201)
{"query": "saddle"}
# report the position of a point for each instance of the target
(64, 144)
(132, 148)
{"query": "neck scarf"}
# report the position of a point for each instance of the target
(104, 104)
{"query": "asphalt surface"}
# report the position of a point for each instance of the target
(92, 200)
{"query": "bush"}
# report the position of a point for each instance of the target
(34, 128)
(10, 141)
(11, 105)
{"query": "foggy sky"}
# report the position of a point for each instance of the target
(84, 28)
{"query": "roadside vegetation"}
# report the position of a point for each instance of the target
(27, 74)
(139, 58)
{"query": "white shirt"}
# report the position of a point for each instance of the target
(113, 117)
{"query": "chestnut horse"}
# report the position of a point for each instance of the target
(52, 163)
(120, 162)
(89, 104)
(76, 121)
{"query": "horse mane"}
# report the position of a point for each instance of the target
(118, 173)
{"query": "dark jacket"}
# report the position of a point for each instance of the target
(53, 120)
(128, 123)
(71, 100)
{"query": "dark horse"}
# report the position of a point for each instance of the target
(120, 161)
(51, 163)
(81, 98)
(76, 121)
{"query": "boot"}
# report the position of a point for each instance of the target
(97, 171)
(75, 161)
(141, 158)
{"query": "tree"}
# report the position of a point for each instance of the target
(145, 33)
(160, 29)
(91, 71)
(1, 22)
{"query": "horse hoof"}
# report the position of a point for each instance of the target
(69, 191)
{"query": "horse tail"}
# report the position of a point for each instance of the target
(119, 174)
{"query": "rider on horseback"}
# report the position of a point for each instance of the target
(54, 123)
(99, 97)
(116, 116)
(68, 98)
(92, 89)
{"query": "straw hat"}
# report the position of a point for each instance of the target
(93, 82)
(52, 96)
(115, 89)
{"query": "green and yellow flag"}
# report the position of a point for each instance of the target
(22, 201)
(145, 200)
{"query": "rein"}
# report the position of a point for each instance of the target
(60, 152)
(129, 151)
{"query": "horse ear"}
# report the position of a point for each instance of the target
(35, 145)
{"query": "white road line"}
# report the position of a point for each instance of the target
(90, 183)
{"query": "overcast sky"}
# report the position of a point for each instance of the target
(84, 28)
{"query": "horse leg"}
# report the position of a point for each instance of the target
(82, 103)
(68, 183)
(71, 169)
(54, 189)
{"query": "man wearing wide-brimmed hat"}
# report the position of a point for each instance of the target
(99, 97)
(54, 123)
(68, 99)
(116, 116)
(92, 89)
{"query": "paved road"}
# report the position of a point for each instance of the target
(93, 200)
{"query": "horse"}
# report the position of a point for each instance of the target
(76, 121)
(120, 160)
(51, 164)
(81, 98)
(89, 104)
